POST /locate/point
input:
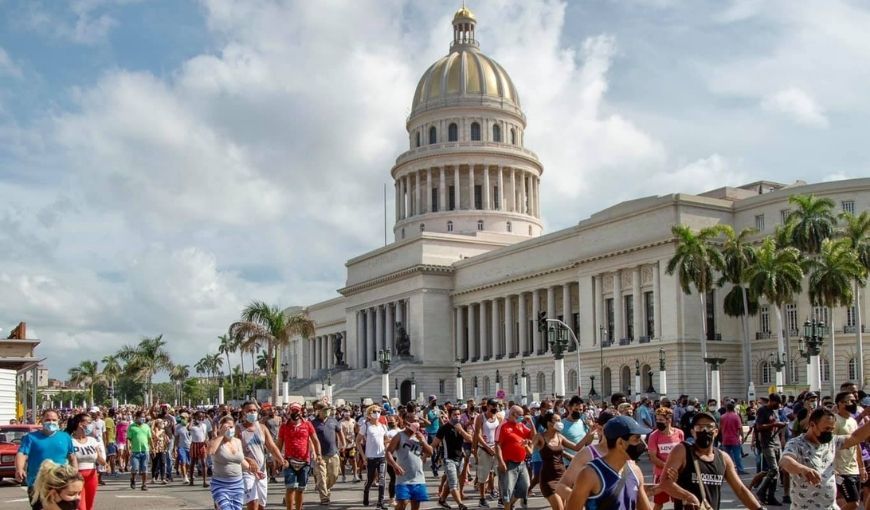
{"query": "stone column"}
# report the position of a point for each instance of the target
(523, 193)
(636, 304)
(600, 321)
(487, 190)
(494, 333)
(509, 325)
(442, 191)
(482, 325)
(657, 309)
(360, 340)
(406, 210)
(551, 312)
(514, 199)
(379, 329)
(566, 306)
(471, 187)
(371, 343)
(501, 193)
(418, 209)
(524, 323)
(536, 309)
(617, 306)
(537, 196)
(473, 346)
(389, 328)
(398, 211)
(456, 194)
(327, 350)
(461, 353)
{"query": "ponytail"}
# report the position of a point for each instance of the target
(51, 477)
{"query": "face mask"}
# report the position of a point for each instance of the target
(294, 416)
(140, 421)
(454, 421)
(391, 425)
(559, 426)
(853, 408)
(690, 409)
(826, 437)
(229, 434)
(414, 427)
(376, 416)
(661, 425)
(51, 426)
(575, 415)
(519, 419)
(703, 439)
(634, 451)
(251, 417)
(71, 504)
(89, 429)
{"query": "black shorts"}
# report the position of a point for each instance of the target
(850, 489)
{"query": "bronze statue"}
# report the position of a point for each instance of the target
(403, 341)
(336, 350)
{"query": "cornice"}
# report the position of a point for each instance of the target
(396, 275)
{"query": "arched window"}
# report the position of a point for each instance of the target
(542, 382)
(606, 388)
(766, 373)
(403, 232)
(496, 133)
(572, 383)
(433, 135)
(795, 371)
(418, 138)
(422, 227)
(853, 369)
(486, 387)
(530, 230)
(509, 228)
(479, 224)
(825, 369)
(450, 226)
(513, 136)
(625, 380)
(475, 131)
(452, 132)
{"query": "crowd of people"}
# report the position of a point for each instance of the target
(574, 453)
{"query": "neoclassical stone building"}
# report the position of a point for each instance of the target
(470, 269)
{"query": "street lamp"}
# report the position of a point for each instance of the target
(777, 363)
(592, 392)
(413, 387)
(524, 382)
(558, 343)
(497, 380)
(285, 386)
(459, 393)
(663, 372)
(814, 336)
(384, 360)
(636, 379)
(516, 379)
(396, 387)
(474, 385)
(602, 334)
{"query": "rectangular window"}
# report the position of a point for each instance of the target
(759, 222)
(441, 386)
(711, 315)
(495, 198)
(848, 206)
(764, 319)
(608, 310)
(434, 201)
(451, 198)
(575, 324)
(820, 313)
(649, 306)
(783, 215)
(478, 196)
(629, 316)
(791, 316)
(850, 318)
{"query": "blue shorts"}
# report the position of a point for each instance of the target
(183, 456)
(111, 449)
(139, 462)
(296, 479)
(412, 492)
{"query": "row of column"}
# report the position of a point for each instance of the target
(499, 327)
(321, 351)
(376, 330)
(414, 190)
(616, 325)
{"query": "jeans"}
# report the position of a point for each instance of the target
(736, 453)
(770, 455)
(374, 467)
(515, 481)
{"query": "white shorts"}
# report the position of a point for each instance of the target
(256, 489)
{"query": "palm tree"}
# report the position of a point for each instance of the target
(776, 276)
(738, 254)
(227, 346)
(694, 262)
(812, 222)
(272, 327)
(86, 374)
(833, 273)
(112, 370)
(178, 375)
(857, 230)
(145, 360)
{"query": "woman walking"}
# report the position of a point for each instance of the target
(551, 443)
(89, 452)
(227, 486)
(57, 487)
(159, 451)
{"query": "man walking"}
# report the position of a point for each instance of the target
(514, 442)
(138, 444)
(331, 443)
(298, 441)
(49, 443)
(198, 448)
(731, 429)
(450, 440)
(767, 428)
(404, 454)
(848, 463)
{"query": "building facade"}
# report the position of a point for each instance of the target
(470, 269)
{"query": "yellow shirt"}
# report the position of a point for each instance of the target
(844, 460)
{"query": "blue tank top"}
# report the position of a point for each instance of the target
(617, 492)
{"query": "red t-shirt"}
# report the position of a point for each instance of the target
(731, 428)
(661, 445)
(295, 437)
(510, 437)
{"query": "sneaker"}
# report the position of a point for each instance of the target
(144, 488)
(443, 504)
(772, 502)
(483, 503)
(462, 507)
(132, 484)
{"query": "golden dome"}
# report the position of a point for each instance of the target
(465, 74)
(464, 12)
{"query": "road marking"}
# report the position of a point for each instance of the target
(16, 500)
(149, 496)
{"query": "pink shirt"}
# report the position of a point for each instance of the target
(661, 445)
(731, 428)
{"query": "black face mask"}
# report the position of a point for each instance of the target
(852, 408)
(826, 437)
(294, 416)
(634, 451)
(703, 439)
(661, 425)
(72, 504)
(575, 415)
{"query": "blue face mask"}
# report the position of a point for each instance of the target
(51, 426)
(89, 429)
(520, 419)
(251, 417)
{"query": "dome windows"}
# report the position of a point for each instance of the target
(509, 227)
(513, 136)
(496, 133)
(450, 226)
(433, 135)
(422, 227)
(475, 132)
(479, 224)
(452, 132)
(418, 139)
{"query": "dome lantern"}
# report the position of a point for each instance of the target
(463, 28)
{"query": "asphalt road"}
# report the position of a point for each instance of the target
(117, 495)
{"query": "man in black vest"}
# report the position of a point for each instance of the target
(681, 481)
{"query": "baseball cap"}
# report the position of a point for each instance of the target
(492, 402)
(94, 409)
(622, 426)
(367, 402)
(698, 416)
(432, 397)
(296, 406)
(535, 405)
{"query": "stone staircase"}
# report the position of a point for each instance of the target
(352, 384)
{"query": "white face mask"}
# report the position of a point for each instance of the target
(376, 416)
(559, 426)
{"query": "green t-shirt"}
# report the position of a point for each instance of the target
(139, 437)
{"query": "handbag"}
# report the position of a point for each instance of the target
(296, 464)
(705, 505)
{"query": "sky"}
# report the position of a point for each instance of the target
(163, 163)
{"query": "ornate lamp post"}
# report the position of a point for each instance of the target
(602, 334)
(474, 384)
(497, 381)
(220, 389)
(558, 344)
(329, 386)
(516, 380)
(524, 382)
(778, 364)
(715, 387)
(396, 388)
(651, 388)
(413, 387)
(592, 392)
(814, 337)
(663, 372)
(459, 394)
(636, 379)
(384, 360)
(285, 386)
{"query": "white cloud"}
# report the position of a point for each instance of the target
(796, 104)
(8, 66)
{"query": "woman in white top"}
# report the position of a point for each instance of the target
(370, 442)
(89, 452)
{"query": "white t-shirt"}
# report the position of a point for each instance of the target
(374, 438)
(198, 433)
(99, 429)
(86, 453)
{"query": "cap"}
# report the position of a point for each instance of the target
(865, 402)
(622, 426)
(698, 416)
(492, 402)
(535, 405)
(94, 409)
(367, 402)
(463, 407)
(266, 406)
(296, 405)
(811, 394)
(432, 397)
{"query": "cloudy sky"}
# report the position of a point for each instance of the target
(162, 163)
